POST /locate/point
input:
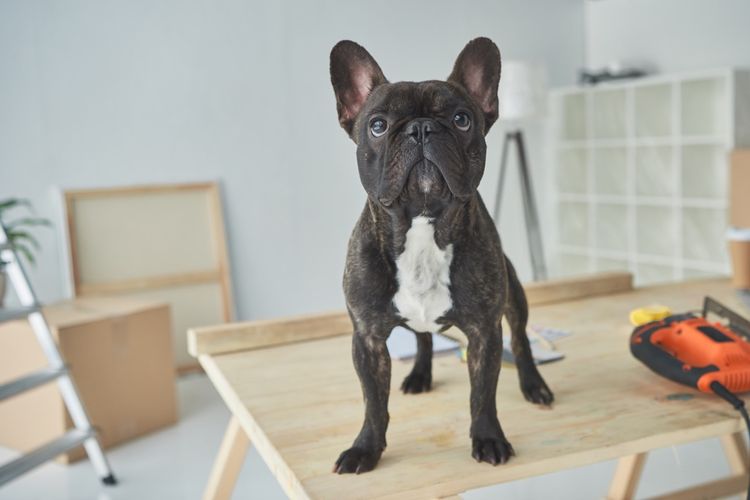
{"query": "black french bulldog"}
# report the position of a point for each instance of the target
(425, 253)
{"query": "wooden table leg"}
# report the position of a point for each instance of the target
(625, 481)
(736, 452)
(629, 469)
(228, 463)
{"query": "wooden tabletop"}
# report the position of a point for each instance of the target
(301, 405)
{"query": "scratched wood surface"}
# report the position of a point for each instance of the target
(301, 406)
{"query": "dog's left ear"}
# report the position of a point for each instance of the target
(477, 69)
(354, 74)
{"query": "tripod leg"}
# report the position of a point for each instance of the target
(533, 228)
(501, 177)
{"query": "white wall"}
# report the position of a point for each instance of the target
(669, 35)
(103, 93)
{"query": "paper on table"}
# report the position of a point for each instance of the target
(549, 334)
(540, 352)
(402, 344)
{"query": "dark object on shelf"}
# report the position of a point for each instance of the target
(586, 77)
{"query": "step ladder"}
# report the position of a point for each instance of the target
(83, 433)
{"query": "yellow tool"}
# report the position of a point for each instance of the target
(647, 314)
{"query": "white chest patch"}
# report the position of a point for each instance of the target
(423, 273)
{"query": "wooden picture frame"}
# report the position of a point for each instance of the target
(163, 242)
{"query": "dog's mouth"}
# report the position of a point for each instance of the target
(424, 191)
(425, 180)
(434, 174)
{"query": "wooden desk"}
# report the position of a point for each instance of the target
(301, 405)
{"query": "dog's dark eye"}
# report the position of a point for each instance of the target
(378, 126)
(462, 121)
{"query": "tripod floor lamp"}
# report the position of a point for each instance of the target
(522, 97)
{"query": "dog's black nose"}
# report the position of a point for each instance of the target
(420, 129)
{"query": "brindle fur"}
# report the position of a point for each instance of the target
(483, 282)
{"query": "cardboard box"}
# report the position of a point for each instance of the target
(121, 359)
(739, 189)
(739, 251)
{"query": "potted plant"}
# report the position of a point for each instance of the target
(19, 236)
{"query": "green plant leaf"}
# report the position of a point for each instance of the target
(28, 221)
(14, 202)
(23, 250)
(14, 236)
(17, 238)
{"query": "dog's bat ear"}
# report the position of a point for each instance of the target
(354, 74)
(477, 69)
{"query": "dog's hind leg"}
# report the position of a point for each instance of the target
(516, 313)
(420, 378)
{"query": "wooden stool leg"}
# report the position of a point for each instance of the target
(625, 481)
(736, 452)
(228, 463)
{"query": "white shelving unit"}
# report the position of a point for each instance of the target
(640, 170)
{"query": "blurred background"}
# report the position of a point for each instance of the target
(629, 175)
(98, 94)
(113, 93)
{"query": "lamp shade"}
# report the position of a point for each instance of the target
(523, 91)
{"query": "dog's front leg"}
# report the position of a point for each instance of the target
(488, 441)
(373, 365)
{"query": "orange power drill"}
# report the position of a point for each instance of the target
(691, 350)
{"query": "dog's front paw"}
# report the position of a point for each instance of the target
(536, 391)
(417, 382)
(356, 460)
(491, 450)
